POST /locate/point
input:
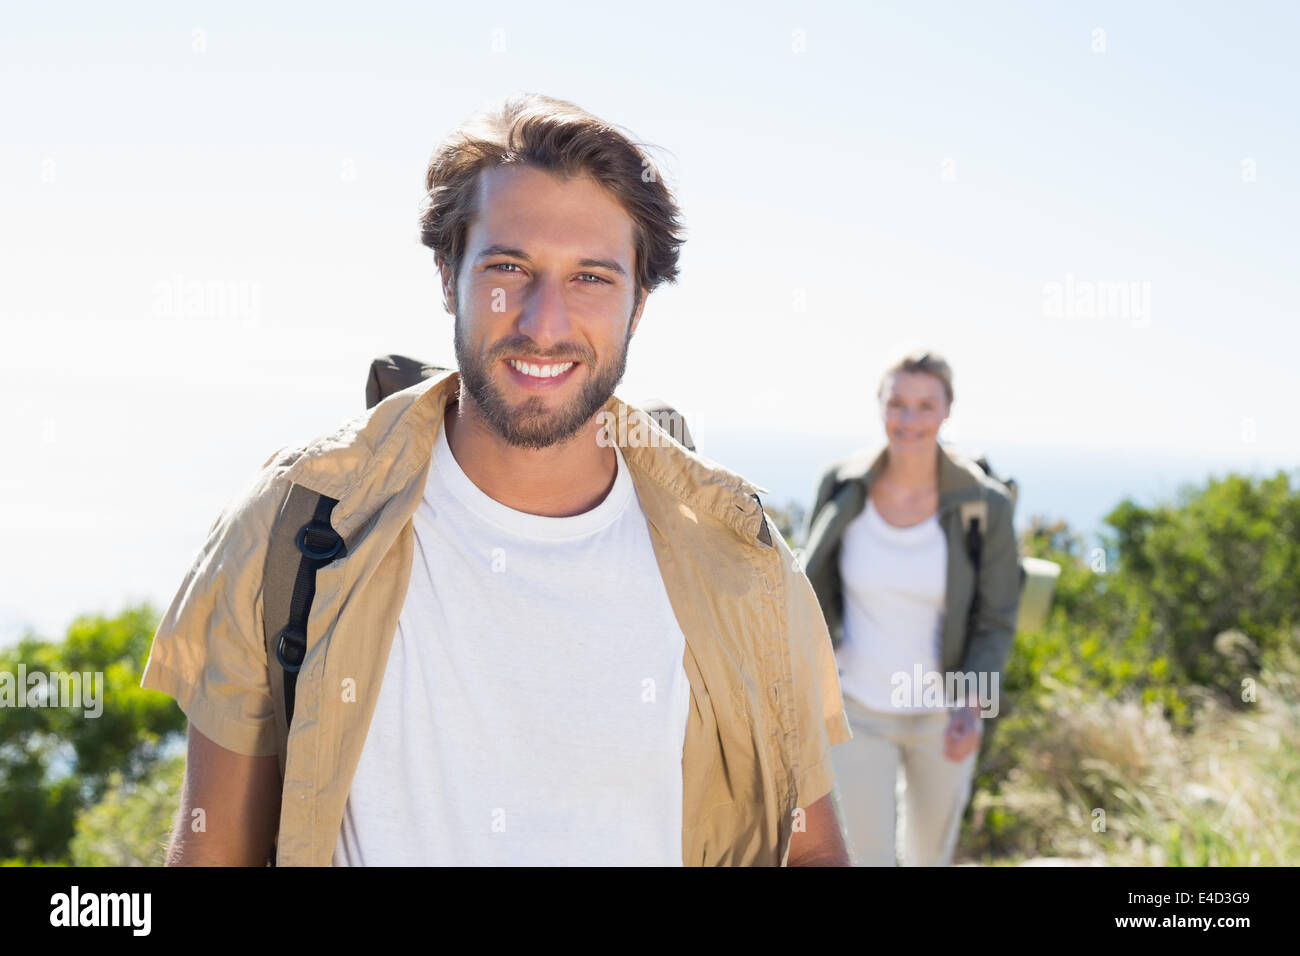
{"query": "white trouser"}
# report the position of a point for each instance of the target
(932, 790)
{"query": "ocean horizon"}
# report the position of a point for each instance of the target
(1080, 486)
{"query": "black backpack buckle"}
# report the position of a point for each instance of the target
(322, 533)
(290, 649)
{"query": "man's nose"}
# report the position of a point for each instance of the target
(545, 315)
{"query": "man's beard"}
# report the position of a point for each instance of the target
(530, 424)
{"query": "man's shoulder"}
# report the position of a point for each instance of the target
(335, 460)
(366, 431)
(726, 494)
(685, 477)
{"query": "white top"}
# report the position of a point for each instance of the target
(894, 583)
(533, 708)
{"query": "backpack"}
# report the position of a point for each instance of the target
(1037, 575)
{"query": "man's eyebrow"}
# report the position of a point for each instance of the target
(500, 250)
(609, 264)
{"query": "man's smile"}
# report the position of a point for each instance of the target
(539, 376)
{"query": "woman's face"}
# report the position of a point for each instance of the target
(914, 405)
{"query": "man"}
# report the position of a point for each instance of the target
(550, 641)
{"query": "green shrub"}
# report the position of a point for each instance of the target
(1145, 666)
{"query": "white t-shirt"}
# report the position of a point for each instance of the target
(894, 582)
(534, 703)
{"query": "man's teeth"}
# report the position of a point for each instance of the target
(541, 371)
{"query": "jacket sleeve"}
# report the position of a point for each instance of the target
(208, 652)
(819, 715)
(820, 497)
(999, 593)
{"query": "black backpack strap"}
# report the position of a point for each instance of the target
(302, 542)
(974, 520)
(316, 544)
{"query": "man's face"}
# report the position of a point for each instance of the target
(543, 301)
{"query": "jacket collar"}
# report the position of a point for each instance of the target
(959, 477)
(372, 456)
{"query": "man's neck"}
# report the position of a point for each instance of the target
(560, 481)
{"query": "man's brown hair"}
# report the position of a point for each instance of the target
(560, 138)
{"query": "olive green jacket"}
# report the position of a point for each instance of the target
(965, 491)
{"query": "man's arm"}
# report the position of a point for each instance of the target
(820, 720)
(239, 797)
(820, 843)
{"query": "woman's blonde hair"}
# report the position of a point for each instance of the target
(929, 362)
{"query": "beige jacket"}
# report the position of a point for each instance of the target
(765, 695)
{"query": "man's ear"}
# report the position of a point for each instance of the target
(636, 316)
(448, 287)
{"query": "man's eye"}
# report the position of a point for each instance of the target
(594, 276)
(501, 265)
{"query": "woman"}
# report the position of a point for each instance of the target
(921, 638)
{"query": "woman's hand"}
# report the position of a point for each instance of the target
(963, 734)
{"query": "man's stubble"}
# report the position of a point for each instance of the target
(530, 424)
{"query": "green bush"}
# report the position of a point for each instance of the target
(131, 825)
(57, 761)
(1156, 637)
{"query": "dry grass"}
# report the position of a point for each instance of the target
(1109, 780)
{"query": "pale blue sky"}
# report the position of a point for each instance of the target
(919, 173)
